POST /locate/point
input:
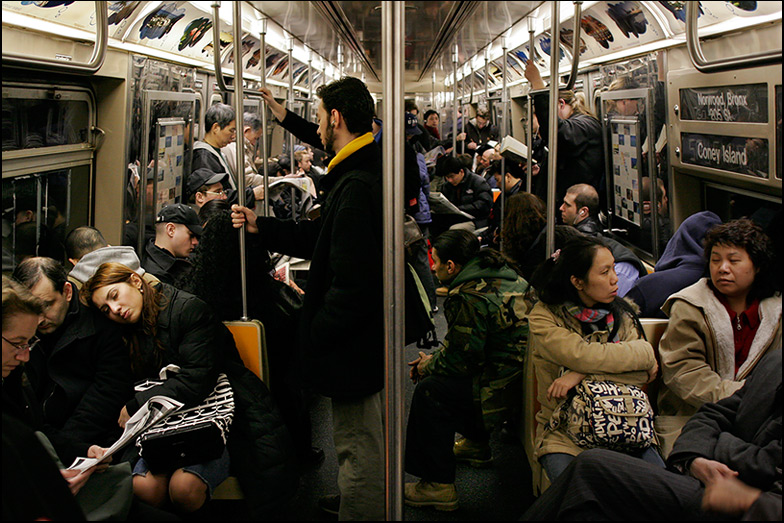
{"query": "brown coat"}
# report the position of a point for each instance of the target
(698, 355)
(557, 341)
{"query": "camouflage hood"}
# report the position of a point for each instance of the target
(472, 271)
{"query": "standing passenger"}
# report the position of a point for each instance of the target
(580, 148)
(473, 381)
(720, 327)
(341, 334)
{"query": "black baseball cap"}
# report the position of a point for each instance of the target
(180, 213)
(204, 176)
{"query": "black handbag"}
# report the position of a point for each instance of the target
(190, 436)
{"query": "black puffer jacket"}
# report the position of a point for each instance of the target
(472, 195)
(259, 444)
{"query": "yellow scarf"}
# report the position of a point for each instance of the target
(350, 148)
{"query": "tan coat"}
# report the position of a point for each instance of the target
(252, 176)
(556, 341)
(698, 355)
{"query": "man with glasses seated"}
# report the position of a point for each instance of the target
(79, 370)
(205, 185)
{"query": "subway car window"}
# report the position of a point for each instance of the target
(40, 210)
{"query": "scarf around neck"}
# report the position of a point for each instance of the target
(591, 316)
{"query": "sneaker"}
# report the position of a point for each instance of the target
(475, 454)
(442, 291)
(330, 504)
(440, 496)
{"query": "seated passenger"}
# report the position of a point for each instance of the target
(579, 328)
(251, 131)
(205, 185)
(472, 382)
(468, 192)
(682, 264)
(720, 327)
(37, 489)
(177, 231)
(81, 367)
(662, 215)
(167, 326)
(87, 249)
(220, 130)
(580, 208)
(511, 184)
(215, 279)
(726, 465)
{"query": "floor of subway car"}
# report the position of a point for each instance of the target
(500, 492)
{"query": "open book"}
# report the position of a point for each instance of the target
(514, 150)
(153, 411)
(440, 205)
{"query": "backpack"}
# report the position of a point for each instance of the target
(420, 328)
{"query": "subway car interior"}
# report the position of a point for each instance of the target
(103, 102)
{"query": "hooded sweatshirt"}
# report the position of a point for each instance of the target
(681, 265)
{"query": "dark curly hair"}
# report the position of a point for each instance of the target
(525, 216)
(745, 234)
(351, 98)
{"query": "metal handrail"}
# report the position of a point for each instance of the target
(216, 48)
(723, 64)
(91, 67)
(578, 12)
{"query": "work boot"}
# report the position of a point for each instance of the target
(441, 496)
(475, 454)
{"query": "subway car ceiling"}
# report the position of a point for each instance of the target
(345, 37)
(466, 49)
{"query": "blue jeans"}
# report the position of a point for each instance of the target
(555, 463)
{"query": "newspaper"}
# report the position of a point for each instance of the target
(153, 411)
(300, 183)
(432, 156)
(440, 205)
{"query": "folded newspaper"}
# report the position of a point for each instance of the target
(300, 183)
(432, 156)
(440, 205)
(153, 411)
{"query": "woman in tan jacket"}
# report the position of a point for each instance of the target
(720, 327)
(579, 329)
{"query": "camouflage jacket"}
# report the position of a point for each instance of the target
(487, 337)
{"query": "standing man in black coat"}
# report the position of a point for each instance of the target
(81, 369)
(341, 334)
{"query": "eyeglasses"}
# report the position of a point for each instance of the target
(21, 347)
(216, 193)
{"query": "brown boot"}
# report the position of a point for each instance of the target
(475, 454)
(441, 496)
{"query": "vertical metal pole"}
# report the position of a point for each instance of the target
(393, 47)
(239, 96)
(553, 121)
(264, 151)
(504, 132)
(454, 100)
(291, 108)
(530, 114)
(653, 175)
